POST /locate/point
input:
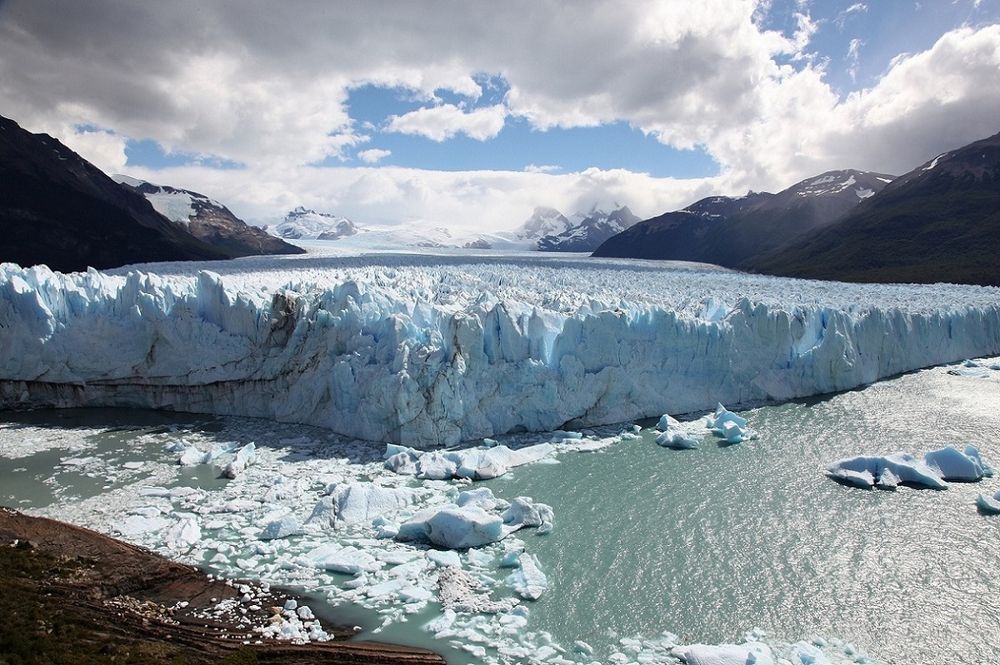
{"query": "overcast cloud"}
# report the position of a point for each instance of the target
(265, 85)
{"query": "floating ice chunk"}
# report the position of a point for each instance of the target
(441, 623)
(244, 457)
(349, 560)
(415, 594)
(863, 479)
(479, 559)
(723, 415)
(667, 422)
(582, 647)
(183, 535)
(134, 525)
(458, 527)
(727, 654)
(284, 526)
(525, 512)
(444, 558)
(804, 653)
(435, 466)
(404, 463)
(360, 503)
(951, 464)
(386, 588)
(192, 456)
(989, 505)
(480, 463)
(905, 468)
(677, 440)
(482, 497)
(733, 428)
(528, 581)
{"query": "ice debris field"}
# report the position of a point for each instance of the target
(407, 534)
(428, 351)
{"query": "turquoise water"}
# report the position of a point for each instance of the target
(710, 543)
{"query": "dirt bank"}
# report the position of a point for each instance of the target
(74, 596)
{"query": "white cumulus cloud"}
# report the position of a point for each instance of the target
(439, 123)
(373, 155)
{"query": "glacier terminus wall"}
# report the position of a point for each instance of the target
(431, 351)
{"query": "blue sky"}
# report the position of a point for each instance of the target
(879, 31)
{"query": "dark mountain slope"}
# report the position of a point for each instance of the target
(728, 231)
(59, 210)
(938, 223)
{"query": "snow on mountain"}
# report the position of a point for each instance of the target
(303, 224)
(436, 350)
(206, 219)
(543, 222)
(862, 184)
(588, 230)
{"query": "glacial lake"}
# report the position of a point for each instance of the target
(706, 544)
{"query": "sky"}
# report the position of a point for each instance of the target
(468, 115)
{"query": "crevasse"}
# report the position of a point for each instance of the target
(425, 351)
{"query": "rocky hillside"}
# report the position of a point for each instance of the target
(60, 210)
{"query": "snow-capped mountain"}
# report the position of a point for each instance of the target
(206, 219)
(543, 222)
(304, 224)
(586, 231)
(729, 231)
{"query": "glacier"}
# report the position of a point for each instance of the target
(429, 351)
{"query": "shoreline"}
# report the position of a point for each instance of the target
(78, 596)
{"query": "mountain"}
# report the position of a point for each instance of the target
(729, 231)
(208, 220)
(586, 231)
(543, 222)
(303, 224)
(938, 223)
(60, 210)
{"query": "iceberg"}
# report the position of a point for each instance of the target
(989, 505)
(952, 464)
(727, 654)
(284, 526)
(730, 426)
(479, 463)
(360, 503)
(453, 527)
(528, 581)
(868, 471)
(525, 512)
(474, 522)
(435, 351)
(244, 457)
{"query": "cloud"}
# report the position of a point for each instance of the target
(268, 90)
(542, 168)
(853, 57)
(373, 155)
(439, 123)
(460, 200)
(857, 8)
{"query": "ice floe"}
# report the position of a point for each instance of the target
(937, 467)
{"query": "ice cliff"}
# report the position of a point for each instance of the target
(435, 350)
